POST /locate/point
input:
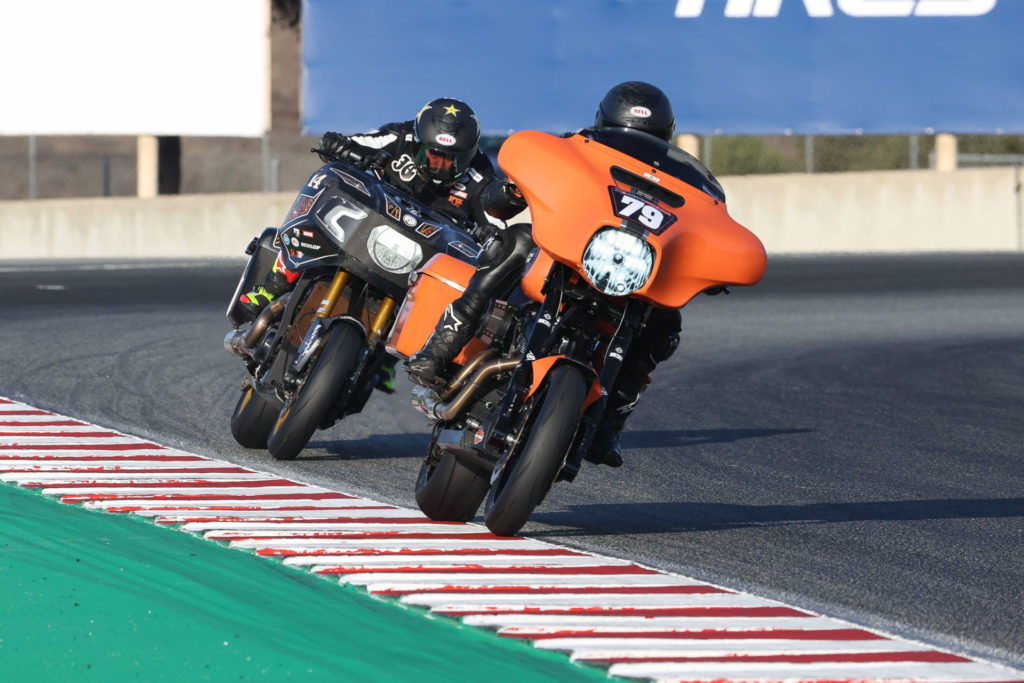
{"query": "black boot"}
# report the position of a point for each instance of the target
(274, 285)
(386, 376)
(453, 331)
(605, 449)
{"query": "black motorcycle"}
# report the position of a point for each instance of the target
(314, 355)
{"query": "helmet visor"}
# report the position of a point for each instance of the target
(436, 166)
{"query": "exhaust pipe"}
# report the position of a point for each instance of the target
(242, 342)
(428, 402)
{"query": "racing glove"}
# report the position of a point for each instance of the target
(334, 145)
(502, 200)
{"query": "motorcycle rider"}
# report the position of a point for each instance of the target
(435, 157)
(633, 104)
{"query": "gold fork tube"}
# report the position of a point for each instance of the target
(327, 305)
(380, 321)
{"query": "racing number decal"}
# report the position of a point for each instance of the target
(648, 215)
(632, 207)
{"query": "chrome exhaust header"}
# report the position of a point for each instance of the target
(428, 402)
(243, 342)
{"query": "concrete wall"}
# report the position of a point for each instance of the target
(977, 209)
(200, 226)
(892, 211)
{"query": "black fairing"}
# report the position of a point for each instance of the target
(343, 214)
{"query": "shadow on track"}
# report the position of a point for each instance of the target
(678, 438)
(376, 447)
(618, 518)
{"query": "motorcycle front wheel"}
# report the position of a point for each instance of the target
(308, 407)
(253, 418)
(531, 470)
(448, 490)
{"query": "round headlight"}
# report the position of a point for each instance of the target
(618, 262)
(393, 251)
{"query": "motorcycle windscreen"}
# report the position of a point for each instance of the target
(575, 186)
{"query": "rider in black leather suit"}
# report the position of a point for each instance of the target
(436, 158)
(633, 104)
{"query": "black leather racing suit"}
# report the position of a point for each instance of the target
(460, 198)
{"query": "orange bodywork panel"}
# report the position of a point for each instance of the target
(542, 367)
(566, 182)
(440, 282)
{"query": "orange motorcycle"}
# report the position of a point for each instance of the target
(623, 223)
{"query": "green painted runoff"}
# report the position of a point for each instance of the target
(95, 596)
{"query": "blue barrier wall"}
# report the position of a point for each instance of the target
(735, 66)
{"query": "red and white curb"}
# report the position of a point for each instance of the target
(635, 621)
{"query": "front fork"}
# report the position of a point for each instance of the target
(321, 324)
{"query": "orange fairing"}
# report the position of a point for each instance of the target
(542, 367)
(438, 283)
(566, 183)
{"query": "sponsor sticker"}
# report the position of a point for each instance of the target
(409, 220)
(393, 210)
(300, 207)
(445, 139)
(353, 182)
(642, 112)
(428, 229)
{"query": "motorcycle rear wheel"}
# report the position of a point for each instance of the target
(303, 414)
(448, 490)
(253, 418)
(530, 472)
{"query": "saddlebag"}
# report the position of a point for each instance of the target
(440, 282)
(263, 252)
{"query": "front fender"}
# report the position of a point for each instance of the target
(542, 367)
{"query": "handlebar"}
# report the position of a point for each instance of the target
(375, 162)
(355, 156)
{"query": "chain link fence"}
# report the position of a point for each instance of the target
(51, 167)
(56, 167)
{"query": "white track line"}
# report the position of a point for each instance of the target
(634, 621)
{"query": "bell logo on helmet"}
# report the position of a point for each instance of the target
(744, 9)
(641, 112)
(445, 139)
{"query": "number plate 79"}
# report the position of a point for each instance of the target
(634, 208)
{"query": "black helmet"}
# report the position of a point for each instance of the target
(640, 106)
(449, 136)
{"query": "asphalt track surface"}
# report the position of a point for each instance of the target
(847, 436)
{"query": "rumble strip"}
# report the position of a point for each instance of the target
(635, 621)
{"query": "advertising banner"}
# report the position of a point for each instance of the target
(729, 66)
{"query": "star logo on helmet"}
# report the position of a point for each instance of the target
(450, 109)
(420, 113)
